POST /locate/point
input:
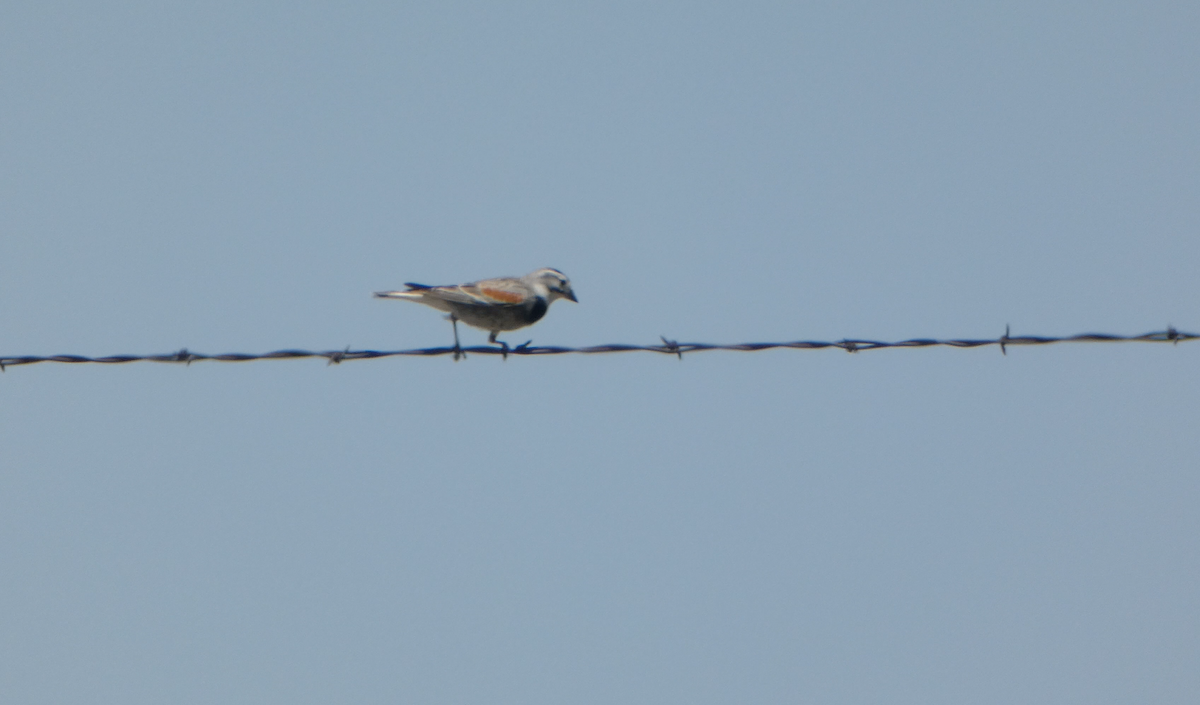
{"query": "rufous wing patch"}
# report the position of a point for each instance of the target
(508, 297)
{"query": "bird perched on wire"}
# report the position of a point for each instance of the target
(495, 305)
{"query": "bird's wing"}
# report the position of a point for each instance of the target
(489, 292)
(505, 291)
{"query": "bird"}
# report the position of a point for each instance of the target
(494, 305)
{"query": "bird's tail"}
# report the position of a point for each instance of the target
(410, 294)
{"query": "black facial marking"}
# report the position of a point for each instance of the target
(538, 310)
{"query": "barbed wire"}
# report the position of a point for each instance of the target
(668, 347)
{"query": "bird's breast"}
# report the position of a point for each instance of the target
(538, 309)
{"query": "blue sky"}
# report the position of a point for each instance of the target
(924, 526)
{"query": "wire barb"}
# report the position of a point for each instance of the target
(1170, 335)
(672, 347)
(336, 357)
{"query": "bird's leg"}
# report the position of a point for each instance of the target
(503, 345)
(458, 351)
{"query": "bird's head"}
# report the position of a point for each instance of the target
(555, 282)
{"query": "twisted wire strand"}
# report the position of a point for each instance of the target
(668, 347)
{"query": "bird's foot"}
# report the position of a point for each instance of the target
(458, 351)
(503, 345)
